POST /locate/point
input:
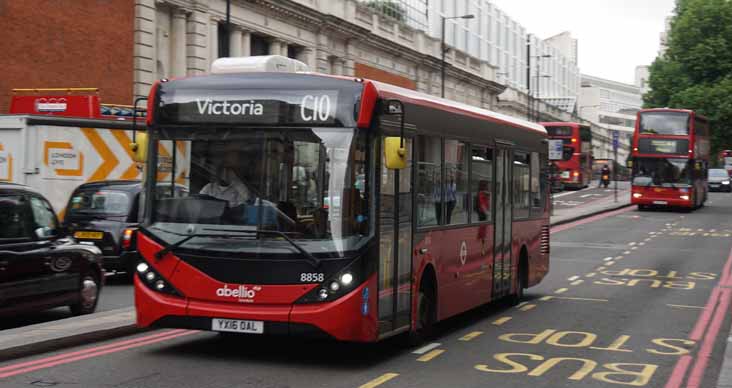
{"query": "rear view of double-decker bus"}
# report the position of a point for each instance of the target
(670, 158)
(332, 206)
(575, 168)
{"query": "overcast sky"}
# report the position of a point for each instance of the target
(614, 35)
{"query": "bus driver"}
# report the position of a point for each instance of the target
(226, 185)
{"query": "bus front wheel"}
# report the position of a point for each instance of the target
(426, 315)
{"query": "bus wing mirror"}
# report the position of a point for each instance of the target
(395, 154)
(139, 147)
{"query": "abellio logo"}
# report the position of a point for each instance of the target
(243, 293)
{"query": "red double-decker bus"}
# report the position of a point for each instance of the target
(334, 206)
(670, 158)
(575, 167)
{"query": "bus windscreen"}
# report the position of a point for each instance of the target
(663, 172)
(664, 123)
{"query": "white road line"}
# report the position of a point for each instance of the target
(426, 348)
(573, 278)
(607, 259)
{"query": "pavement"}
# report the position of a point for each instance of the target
(631, 322)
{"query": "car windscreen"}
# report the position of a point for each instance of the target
(14, 221)
(100, 202)
(718, 173)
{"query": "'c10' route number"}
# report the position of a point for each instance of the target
(315, 108)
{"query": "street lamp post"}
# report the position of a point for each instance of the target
(444, 49)
(537, 100)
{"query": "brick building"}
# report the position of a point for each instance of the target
(58, 43)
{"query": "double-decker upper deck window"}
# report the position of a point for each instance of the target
(456, 183)
(559, 131)
(664, 123)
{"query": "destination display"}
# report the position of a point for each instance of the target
(663, 146)
(271, 107)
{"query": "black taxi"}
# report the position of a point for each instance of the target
(39, 267)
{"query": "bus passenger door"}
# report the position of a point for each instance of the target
(503, 218)
(395, 246)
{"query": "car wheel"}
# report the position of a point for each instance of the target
(88, 296)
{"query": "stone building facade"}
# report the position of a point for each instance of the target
(175, 38)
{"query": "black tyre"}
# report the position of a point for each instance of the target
(88, 296)
(426, 316)
(516, 298)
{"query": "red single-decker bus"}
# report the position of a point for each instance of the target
(298, 220)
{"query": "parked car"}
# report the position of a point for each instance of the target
(106, 214)
(39, 268)
(719, 180)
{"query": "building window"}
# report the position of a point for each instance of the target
(429, 181)
(294, 51)
(259, 45)
(223, 35)
(481, 183)
(456, 183)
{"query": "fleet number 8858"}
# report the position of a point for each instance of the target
(312, 277)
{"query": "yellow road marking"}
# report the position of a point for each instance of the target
(601, 268)
(631, 244)
(573, 278)
(634, 248)
(607, 258)
(561, 290)
(501, 321)
(686, 307)
(610, 263)
(521, 304)
(546, 298)
(527, 307)
(591, 274)
(429, 356)
(585, 299)
(577, 282)
(470, 336)
(379, 380)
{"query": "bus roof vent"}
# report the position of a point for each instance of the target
(266, 63)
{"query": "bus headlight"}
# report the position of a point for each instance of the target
(338, 284)
(725, 182)
(637, 195)
(346, 279)
(153, 280)
(684, 197)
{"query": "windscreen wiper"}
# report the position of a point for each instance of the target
(161, 253)
(312, 259)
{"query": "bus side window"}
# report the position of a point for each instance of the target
(481, 183)
(456, 183)
(537, 175)
(429, 181)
